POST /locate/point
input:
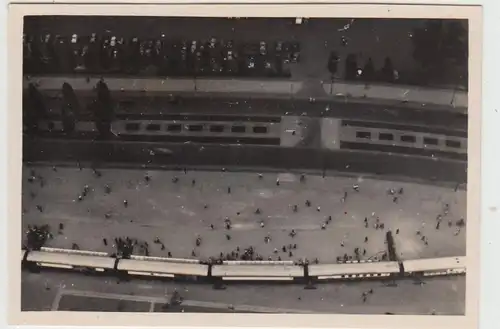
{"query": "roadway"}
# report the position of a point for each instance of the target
(367, 38)
(237, 157)
(443, 296)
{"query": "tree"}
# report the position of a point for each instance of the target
(369, 70)
(34, 109)
(439, 44)
(457, 50)
(70, 108)
(333, 60)
(388, 70)
(103, 109)
(456, 42)
(351, 67)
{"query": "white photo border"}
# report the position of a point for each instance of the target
(485, 119)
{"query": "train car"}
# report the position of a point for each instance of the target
(397, 138)
(157, 268)
(255, 272)
(435, 266)
(70, 261)
(261, 133)
(354, 270)
(163, 259)
(182, 131)
(257, 262)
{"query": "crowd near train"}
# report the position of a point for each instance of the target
(161, 56)
(217, 271)
(249, 267)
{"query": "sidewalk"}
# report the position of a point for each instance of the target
(406, 94)
(443, 99)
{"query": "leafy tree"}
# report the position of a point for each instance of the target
(333, 60)
(439, 44)
(388, 70)
(351, 67)
(369, 70)
(34, 109)
(70, 108)
(456, 45)
(103, 109)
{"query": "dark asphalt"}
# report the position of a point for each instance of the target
(193, 309)
(183, 27)
(148, 153)
(444, 294)
(147, 108)
(93, 304)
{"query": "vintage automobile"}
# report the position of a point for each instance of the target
(263, 48)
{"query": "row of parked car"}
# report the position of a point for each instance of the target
(96, 54)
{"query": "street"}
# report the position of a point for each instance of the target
(250, 157)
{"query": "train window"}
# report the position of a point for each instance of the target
(133, 126)
(153, 127)
(238, 129)
(385, 137)
(260, 130)
(217, 128)
(452, 143)
(430, 141)
(408, 139)
(363, 134)
(51, 125)
(174, 128)
(195, 127)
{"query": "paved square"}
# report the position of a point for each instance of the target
(176, 213)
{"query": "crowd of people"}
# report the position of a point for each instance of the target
(37, 236)
(94, 54)
(161, 56)
(102, 108)
(365, 72)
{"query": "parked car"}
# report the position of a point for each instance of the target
(263, 48)
(294, 52)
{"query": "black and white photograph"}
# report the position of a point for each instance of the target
(289, 165)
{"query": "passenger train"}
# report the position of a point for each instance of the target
(158, 267)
